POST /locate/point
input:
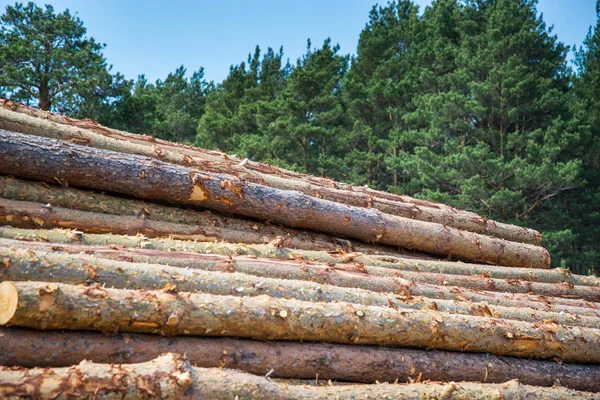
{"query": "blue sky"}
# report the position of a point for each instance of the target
(155, 37)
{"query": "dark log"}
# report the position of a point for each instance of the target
(203, 225)
(349, 363)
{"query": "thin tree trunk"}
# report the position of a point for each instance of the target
(150, 179)
(183, 253)
(213, 226)
(59, 306)
(349, 363)
(24, 265)
(84, 132)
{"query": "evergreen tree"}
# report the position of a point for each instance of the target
(46, 60)
(379, 88)
(238, 107)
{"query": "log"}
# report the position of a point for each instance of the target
(349, 363)
(166, 377)
(206, 225)
(24, 265)
(580, 307)
(304, 271)
(187, 382)
(344, 275)
(90, 134)
(147, 178)
(42, 305)
(133, 244)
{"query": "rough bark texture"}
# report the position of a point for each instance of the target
(24, 265)
(211, 226)
(166, 377)
(363, 364)
(305, 271)
(556, 275)
(84, 132)
(181, 380)
(58, 306)
(150, 179)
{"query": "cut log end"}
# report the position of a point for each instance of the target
(9, 297)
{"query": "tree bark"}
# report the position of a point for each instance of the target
(59, 306)
(211, 226)
(24, 265)
(171, 376)
(304, 271)
(375, 279)
(91, 134)
(150, 179)
(140, 249)
(349, 363)
(166, 377)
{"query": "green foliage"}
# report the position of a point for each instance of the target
(470, 102)
(169, 110)
(46, 60)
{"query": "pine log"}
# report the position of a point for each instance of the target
(104, 138)
(133, 245)
(375, 279)
(166, 377)
(211, 226)
(305, 271)
(171, 376)
(150, 179)
(542, 303)
(350, 363)
(42, 305)
(24, 265)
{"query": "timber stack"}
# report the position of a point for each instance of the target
(134, 267)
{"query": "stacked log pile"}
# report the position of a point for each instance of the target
(133, 267)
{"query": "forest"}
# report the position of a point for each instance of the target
(473, 103)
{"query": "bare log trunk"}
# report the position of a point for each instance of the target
(364, 364)
(182, 253)
(211, 226)
(150, 179)
(180, 380)
(24, 265)
(83, 132)
(58, 306)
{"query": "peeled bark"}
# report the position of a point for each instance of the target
(350, 363)
(84, 132)
(25, 265)
(166, 377)
(42, 305)
(133, 245)
(202, 225)
(150, 179)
